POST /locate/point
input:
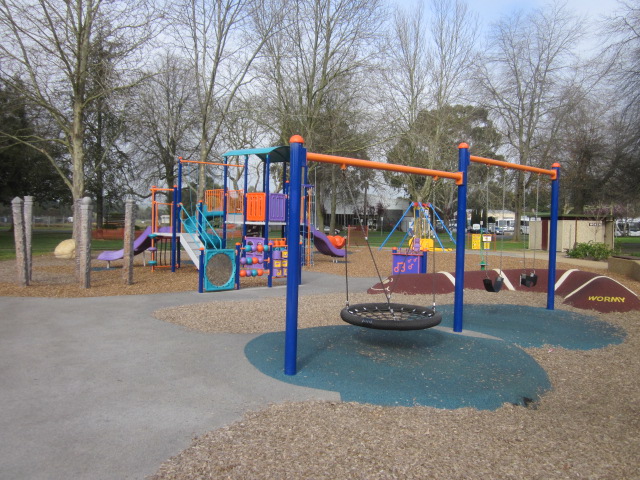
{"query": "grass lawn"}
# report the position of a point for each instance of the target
(628, 246)
(46, 240)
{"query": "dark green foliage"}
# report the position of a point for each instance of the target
(590, 251)
(23, 169)
(432, 143)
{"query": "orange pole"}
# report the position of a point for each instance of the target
(499, 163)
(355, 162)
(153, 209)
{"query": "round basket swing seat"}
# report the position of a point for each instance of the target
(390, 316)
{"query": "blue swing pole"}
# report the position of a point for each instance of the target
(298, 160)
(225, 186)
(553, 237)
(458, 302)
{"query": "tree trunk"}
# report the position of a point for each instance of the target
(518, 205)
(77, 152)
(99, 171)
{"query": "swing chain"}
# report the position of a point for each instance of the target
(387, 293)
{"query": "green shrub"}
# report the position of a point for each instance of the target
(590, 251)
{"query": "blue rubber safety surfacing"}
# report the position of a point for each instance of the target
(424, 367)
(536, 326)
(432, 367)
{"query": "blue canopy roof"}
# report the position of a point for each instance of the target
(276, 154)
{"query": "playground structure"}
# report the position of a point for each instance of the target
(422, 233)
(298, 163)
(233, 234)
(228, 235)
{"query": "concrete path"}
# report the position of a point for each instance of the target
(96, 388)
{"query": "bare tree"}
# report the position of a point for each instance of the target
(623, 35)
(47, 44)
(164, 119)
(243, 129)
(407, 77)
(316, 77)
(429, 72)
(326, 48)
(526, 78)
(221, 41)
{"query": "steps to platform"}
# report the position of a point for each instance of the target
(191, 244)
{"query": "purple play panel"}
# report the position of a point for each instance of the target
(277, 207)
(140, 244)
(324, 245)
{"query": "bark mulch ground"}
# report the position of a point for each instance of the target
(587, 426)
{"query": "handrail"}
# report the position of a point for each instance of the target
(203, 233)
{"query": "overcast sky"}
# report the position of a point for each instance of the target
(491, 10)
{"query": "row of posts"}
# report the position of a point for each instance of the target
(83, 218)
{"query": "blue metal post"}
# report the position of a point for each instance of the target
(268, 255)
(244, 197)
(201, 271)
(199, 219)
(225, 185)
(298, 157)
(267, 204)
(553, 236)
(238, 254)
(178, 223)
(458, 302)
(174, 229)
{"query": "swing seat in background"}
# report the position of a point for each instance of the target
(528, 279)
(491, 286)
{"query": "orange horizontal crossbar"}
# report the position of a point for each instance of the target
(356, 162)
(516, 166)
(182, 160)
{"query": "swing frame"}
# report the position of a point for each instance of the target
(298, 158)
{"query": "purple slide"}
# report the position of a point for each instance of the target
(140, 244)
(324, 245)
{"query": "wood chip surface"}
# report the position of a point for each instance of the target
(588, 426)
